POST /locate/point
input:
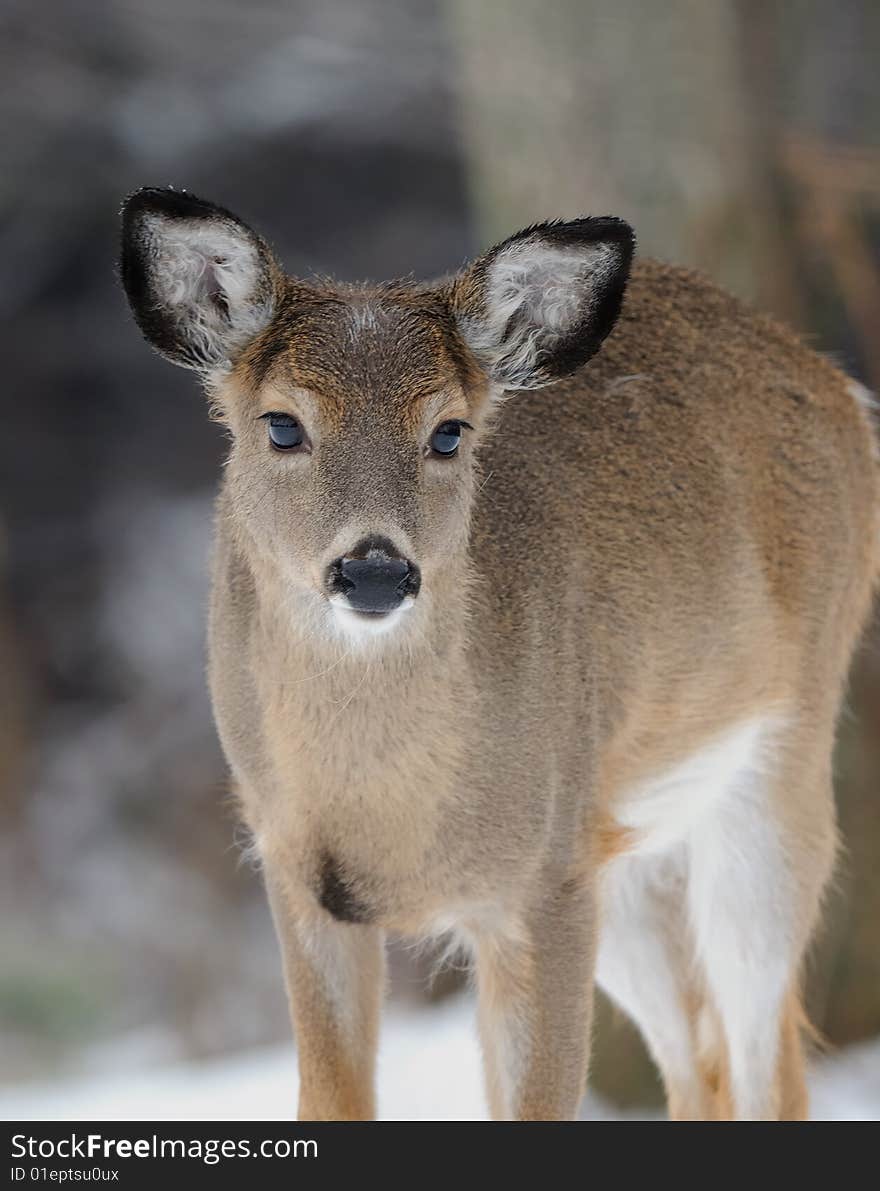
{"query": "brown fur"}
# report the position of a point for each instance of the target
(615, 569)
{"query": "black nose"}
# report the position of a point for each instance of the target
(373, 577)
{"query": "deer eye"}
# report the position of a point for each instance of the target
(447, 436)
(285, 432)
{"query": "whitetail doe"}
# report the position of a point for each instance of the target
(545, 655)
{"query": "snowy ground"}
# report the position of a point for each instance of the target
(429, 1070)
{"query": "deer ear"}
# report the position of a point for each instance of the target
(537, 306)
(200, 283)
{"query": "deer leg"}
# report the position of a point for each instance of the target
(535, 993)
(758, 867)
(334, 973)
(644, 964)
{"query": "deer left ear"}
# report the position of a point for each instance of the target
(538, 306)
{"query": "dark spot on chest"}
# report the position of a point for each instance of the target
(337, 895)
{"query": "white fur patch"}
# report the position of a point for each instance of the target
(870, 407)
(548, 291)
(337, 967)
(357, 627)
(644, 964)
(663, 809)
(506, 1033)
(208, 275)
(644, 960)
(364, 318)
(744, 908)
(863, 397)
(709, 900)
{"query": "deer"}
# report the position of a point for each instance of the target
(535, 590)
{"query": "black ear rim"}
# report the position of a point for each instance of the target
(157, 327)
(588, 336)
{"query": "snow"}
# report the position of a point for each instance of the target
(429, 1069)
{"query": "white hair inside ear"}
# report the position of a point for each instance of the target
(208, 276)
(537, 295)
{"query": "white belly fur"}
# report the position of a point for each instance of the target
(664, 810)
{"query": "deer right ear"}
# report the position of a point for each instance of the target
(200, 283)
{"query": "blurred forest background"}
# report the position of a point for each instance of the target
(365, 138)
